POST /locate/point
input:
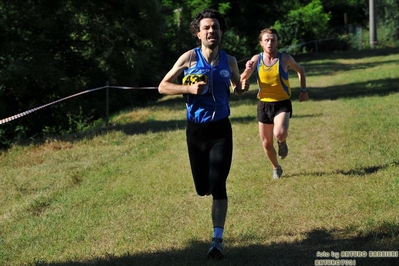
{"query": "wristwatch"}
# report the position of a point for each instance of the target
(304, 90)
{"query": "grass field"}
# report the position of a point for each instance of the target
(124, 195)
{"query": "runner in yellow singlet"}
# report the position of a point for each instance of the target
(274, 92)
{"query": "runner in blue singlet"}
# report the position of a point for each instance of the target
(208, 75)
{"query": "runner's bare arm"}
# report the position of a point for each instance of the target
(250, 67)
(236, 82)
(168, 86)
(291, 63)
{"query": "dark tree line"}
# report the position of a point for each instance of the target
(53, 49)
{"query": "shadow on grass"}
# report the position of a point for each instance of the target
(354, 54)
(301, 252)
(361, 171)
(350, 90)
(366, 170)
(323, 69)
(378, 87)
(353, 90)
(161, 126)
(329, 68)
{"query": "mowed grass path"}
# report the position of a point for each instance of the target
(124, 195)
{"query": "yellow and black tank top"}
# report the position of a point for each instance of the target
(273, 82)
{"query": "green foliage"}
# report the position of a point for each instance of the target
(224, 7)
(388, 22)
(347, 12)
(81, 45)
(194, 6)
(307, 23)
(235, 44)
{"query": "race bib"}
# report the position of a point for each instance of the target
(194, 78)
(190, 79)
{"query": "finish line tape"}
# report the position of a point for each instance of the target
(11, 118)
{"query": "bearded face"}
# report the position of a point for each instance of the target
(209, 32)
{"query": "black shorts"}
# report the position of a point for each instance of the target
(267, 111)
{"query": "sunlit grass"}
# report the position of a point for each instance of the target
(124, 196)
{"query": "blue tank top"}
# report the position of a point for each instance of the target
(213, 104)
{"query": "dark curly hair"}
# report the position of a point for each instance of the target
(207, 13)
